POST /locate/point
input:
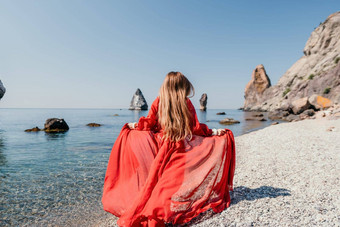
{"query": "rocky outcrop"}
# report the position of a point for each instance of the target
(138, 101)
(2, 90)
(253, 92)
(203, 102)
(317, 72)
(55, 125)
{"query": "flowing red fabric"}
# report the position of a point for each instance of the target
(150, 181)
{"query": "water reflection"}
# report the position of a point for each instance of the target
(137, 114)
(202, 116)
(55, 135)
(3, 159)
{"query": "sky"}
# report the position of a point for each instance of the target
(95, 54)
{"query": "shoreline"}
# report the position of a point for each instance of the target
(289, 180)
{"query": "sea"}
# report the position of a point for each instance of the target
(56, 179)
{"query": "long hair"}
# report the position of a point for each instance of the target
(173, 113)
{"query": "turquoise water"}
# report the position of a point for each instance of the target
(58, 178)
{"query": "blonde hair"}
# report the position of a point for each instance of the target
(174, 115)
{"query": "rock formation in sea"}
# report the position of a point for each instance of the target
(138, 101)
(253, 92)
(2, 90)
(55, 125)
(317, 72)
(203, 102)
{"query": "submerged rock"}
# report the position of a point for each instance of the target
(138, 101)
(35, 129)
(2, 90)
(203, 102)
(93, 125)
(55, 125)
(229, 121)
(220, 113)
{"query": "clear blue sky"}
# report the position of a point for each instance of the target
(95, 54)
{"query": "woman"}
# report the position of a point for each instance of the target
(168, 167)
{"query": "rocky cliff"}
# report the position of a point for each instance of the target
(2, 90)
(317, 72)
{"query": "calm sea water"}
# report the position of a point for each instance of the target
(57, 178)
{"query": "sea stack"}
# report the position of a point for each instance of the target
(138, 101)
(203, 102)
(255, 88)
(2, 90)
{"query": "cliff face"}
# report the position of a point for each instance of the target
(2, 90)
(317, 72)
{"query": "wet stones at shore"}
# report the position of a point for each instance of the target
(138, 101)
(229, 121)
(55, 125)
(256, 117)
(314, 106)
(220, 113)
(93, 125)
(203, 102)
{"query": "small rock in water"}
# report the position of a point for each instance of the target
(35, 129)
(228, 121)
(115, 115)
(220, 113)
(275, 123)
(93, 125)
(56, 125)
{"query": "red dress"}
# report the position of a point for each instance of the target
(150, 181)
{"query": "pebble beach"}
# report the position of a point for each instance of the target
(286, 175)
